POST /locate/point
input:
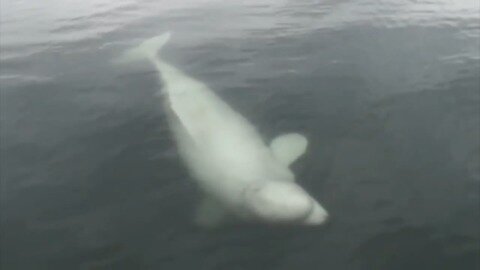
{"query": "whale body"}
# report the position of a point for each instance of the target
(238, 174)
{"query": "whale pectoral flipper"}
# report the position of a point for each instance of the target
(289, 147)
(210, 213)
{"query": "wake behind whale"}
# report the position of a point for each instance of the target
(238, 174)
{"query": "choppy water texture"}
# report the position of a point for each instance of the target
(386, 91)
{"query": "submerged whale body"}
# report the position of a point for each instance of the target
(238, 174)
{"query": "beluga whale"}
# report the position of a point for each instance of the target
(238, 174)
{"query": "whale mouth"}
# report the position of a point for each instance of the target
(279, 202)
(317, 216)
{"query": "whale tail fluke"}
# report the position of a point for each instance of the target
(147, 50)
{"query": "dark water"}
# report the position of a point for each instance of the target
(387, 92)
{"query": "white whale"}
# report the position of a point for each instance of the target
(238, 174)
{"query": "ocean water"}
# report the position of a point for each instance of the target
(388, 93)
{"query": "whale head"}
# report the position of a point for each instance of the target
(283, 202)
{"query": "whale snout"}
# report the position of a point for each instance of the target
(317, 216)
(283, 202)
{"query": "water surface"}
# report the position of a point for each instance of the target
(387, 93)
